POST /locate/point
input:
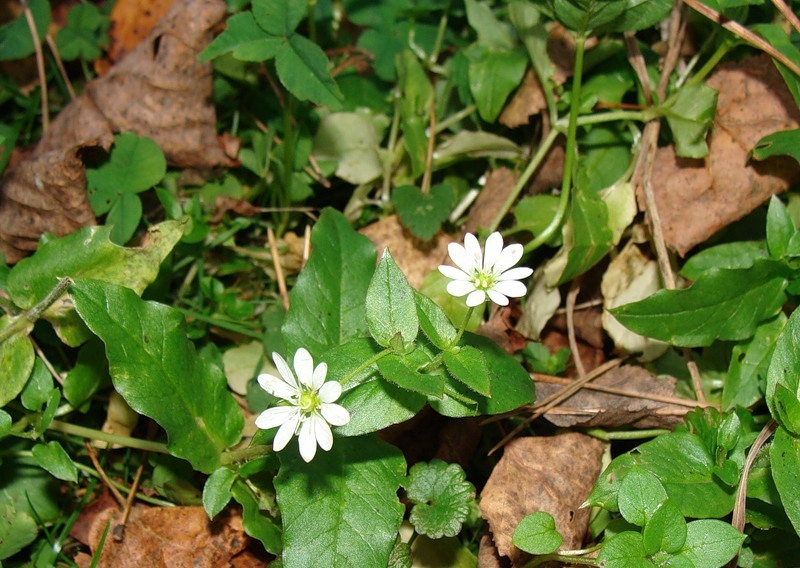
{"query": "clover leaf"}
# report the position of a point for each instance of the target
(441, 496)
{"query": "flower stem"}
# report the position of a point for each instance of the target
(372, 360)
(91, 434)
(565, 558)
(243, 454)
(464, 325)
(626, 435)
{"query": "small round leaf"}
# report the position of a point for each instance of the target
(441, 496)
(537, 534)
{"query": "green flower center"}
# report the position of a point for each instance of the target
(484, 280)
(308, 402)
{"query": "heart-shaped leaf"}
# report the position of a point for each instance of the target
(423, 213)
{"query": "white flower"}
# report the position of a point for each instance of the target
(485, 273)
(309, 407)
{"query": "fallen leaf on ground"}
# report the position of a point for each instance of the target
(159, 90)
(530, 477)
(592, 408)
(498, 186)
(44, 194)
(488, 556)
(168, 537)
(131, 21)
(500, 329)
(414, 257)
(527, 101)
(591, 357)
(696, 198)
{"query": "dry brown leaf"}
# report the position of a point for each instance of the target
(131, 21)
(488, 557)
(168, 537)
(414, 257)
(159, 90)
(591, 408)
(552, 474)
(696, 198)
(591, 357)
(500, 329)
(44, 194)
(497, 188)
(225, 203)
(527, 101)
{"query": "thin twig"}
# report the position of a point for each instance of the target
(47, 363)
(574, 290)
(787, 13)
(119, 530)
(276, 262)
(101, 472)
(636, 59)
(60, 64)
(555, 399)
(741, 31)
(306, 246)
(37, 47)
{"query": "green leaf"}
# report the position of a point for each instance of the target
(257, 523)
(158, 372)
(711, 543)
(782, 143)
(303, 69)
(16, 41)
(423, 213)
(585, 15)
(785, 457)
(54, 459)
(17, 530)
(135, 163)
(244, 39)
(639, 15)
(788, 408)
(727, 255)
(5, 424)
(640, 495)
(217, 491)
(390, 306)
(468, 365)
(535, 213)
(395, 370)
(81, 38)
(400, 556)
(279, 17)
(38, 388)
(665, 529)
(689, 115)
(16, 362)
(373, 403)
(124, 217)
(470, 145)
(776, 36)
(780, 228)
(441, 496)
(721, 304)
(327, 302)
(493, 75)
(624, 550)
(88, 253)
(341, 509)
(591, 235)
(783, 371)
(349, 138)
(537, 534)
(491, 32)
(88, 374)
(510, 384)
(434, 322)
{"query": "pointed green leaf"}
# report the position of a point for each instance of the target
(244, 39)
(303, 69)
(158, 372)
(434, 322)
(783, 143)
(785, 457)
(537, 534)
(740, 254)
(493, 75)
(217, 491)
(592, 236)
(390, 305)
(689, 117)
(327, 302)
(721, 304)
(395, 370)
(783, 371)
(54, 459)
(38, 388)
(341, 510)
(441, 496)
(257, 523)
(16, 361)
(279, 17)
(491, 33)
(780, 228)
(711, 543)
(640, 495)
(665, 530)
(624, 550)
(88, 374)
(468, 365)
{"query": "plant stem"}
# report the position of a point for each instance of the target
(125, 489)
(244, 454)
(455, 118)
(464, 325)
(372, 360)
(565, 558)
(220, 323)
(626, 434)
(709, 65)
(92, 434)
(30, 316)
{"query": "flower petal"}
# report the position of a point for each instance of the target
(459, 288)
(335, 414)
(285, 433)
(492, 250)
(497, 297)
(462, 258)
(307, 441)
(322, 432)
(277, 387)
(275, 416)
(453, 273)
(508, 258)
(304, 367)
(318, 378)
(516, 273)
(285, 371)
(510, 288)
(473, 250)
(475, 298)
(330, 391)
